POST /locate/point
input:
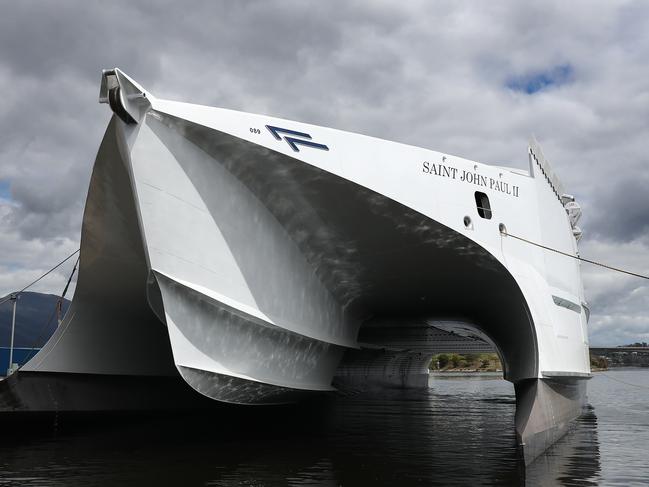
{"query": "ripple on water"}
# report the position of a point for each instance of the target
(461, 431)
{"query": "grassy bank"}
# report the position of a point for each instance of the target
(478, 362)
(486, 362)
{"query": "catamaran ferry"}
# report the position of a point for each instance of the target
(241, 258)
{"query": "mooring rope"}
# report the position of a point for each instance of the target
(623, 382)
(57, 307)
(606, 266)
(41, 277)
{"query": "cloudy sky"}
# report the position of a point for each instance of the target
(474, 79)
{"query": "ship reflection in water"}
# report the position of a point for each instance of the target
(461, 431)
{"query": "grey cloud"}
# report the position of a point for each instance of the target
(432, 74)
(43, 40)
(621, 210)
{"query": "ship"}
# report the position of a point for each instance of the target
(229, 257)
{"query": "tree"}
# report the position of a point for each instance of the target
(455, 359)
(442, 359)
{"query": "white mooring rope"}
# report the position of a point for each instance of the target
(606, 266)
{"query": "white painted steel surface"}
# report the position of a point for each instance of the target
(262, 262)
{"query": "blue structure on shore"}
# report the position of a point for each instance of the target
(36, 320)
(21, 355)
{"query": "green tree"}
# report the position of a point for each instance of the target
(472, 360)
(443, 360)
(455, 359)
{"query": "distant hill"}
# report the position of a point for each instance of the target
(32, 313)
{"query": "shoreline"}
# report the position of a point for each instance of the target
(497, 373)
(465, 373)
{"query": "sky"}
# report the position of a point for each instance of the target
(474, 79)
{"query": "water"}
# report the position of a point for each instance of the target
(459, 432)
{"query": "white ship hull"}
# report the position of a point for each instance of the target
(260, 259)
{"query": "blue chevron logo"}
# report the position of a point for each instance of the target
(292, 141)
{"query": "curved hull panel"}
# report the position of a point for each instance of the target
(207, 335)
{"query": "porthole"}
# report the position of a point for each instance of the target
(483, 205)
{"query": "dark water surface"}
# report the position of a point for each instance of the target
(460, 432)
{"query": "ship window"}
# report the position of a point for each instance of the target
(482, 202)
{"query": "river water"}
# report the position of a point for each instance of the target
(460, 432)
